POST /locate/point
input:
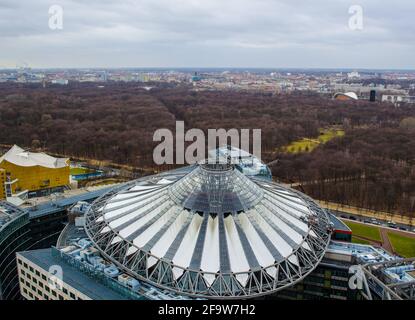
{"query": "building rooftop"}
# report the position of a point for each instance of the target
(23, 158)
(212, 224)
(8, 212)
(338, 225)
(78, 280)
(58, 204)
(75, 248)
(244, 161)
(362, 253)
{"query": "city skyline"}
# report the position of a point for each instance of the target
(235, 34)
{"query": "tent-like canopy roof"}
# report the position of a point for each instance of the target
(210, 231)
(20, 157)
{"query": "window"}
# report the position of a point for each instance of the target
(65, 291)
(72, 295)
(43, 277)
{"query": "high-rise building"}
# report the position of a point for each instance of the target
(372, 95)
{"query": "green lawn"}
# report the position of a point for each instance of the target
(364, 231)
(309, 144)
(404, 246)
(359, 241)
(77, 171)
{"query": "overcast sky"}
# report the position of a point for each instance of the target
(208, 33)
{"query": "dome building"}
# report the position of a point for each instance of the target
(348, 96)
(209, 231)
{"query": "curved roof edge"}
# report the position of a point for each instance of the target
(23, 158)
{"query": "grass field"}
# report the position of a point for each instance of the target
(364, 231)
(77, 171)
(359, 241)
(308, 145)
(404, 246)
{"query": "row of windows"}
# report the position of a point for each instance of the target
(48, 295)
(41, 280)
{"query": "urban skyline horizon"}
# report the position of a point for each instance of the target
(225, 68)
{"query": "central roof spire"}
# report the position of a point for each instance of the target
(215, 187)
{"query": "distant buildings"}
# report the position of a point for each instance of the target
(397, 99)
(23, 173)
(60, 81)
(353, 75)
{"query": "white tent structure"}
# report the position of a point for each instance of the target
(210, 231)
(23, 158)
(347, 95)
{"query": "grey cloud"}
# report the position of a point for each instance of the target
(207, 33)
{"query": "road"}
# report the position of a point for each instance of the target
(365, 213)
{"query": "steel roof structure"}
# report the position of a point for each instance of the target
(209, 231)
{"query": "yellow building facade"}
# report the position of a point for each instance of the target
(26, 171)
(2, 184)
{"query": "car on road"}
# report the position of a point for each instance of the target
(392, 225)
(374, 221)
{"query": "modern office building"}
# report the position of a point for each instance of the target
(24, 174)
(208, 231)
(32, 228)
(205, 231)
(37, 283)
